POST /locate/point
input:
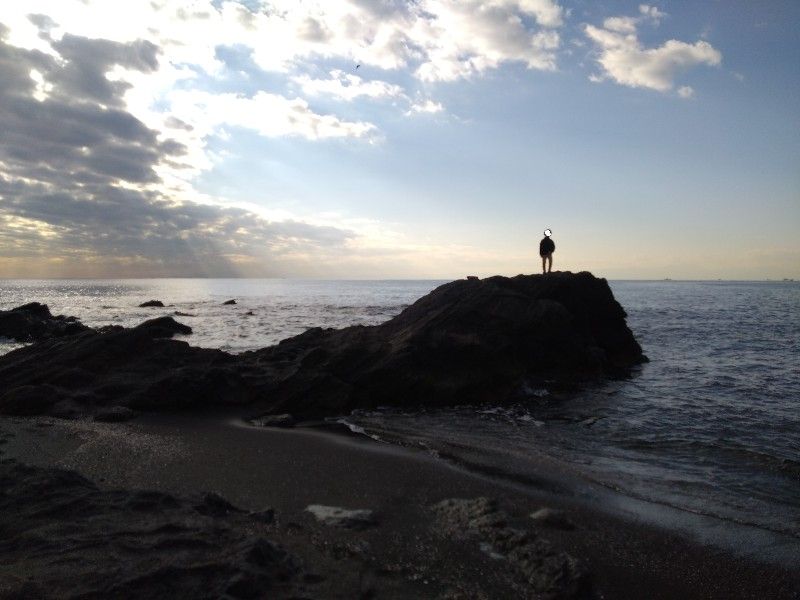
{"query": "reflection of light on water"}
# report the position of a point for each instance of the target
(280, 308)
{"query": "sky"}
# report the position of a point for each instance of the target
(392, 139)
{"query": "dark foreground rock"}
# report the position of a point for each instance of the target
(550, 573)
(467, 342)
(61, 536)
(32, 322)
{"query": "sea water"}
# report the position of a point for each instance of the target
(710, 426)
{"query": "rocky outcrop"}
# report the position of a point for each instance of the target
(551, 574)
(62, 536)
(140, 368)
(467, 342)
(32, 322)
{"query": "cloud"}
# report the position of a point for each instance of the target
(624, 60)
(271, 115)
(347, 86)
(108, 110)
(80, 183)
(464, 38)
(434, 38)
(685, 91)
(425, 106)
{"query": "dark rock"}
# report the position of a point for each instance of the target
(472, 278)
(164, 327)
(152, 304)
(76, 540)
(214, 505)
(178, 313)
(250, 313)
(550, 573)
(284, 420)
(33, 322)
(228, 302)
(467, 342)
(114, 414)
(264, 516)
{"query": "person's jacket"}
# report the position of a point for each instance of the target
(546, 246)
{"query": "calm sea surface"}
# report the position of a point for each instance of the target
(710, 426)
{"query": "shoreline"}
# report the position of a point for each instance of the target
(292, 469)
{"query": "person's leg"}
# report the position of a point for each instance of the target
(544, 259)
(549, 262)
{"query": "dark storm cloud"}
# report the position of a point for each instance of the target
(69, 159)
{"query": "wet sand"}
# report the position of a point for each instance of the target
(405, 553)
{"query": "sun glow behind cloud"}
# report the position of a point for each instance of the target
(145, 72)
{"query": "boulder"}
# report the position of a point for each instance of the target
(228, 302)
(152, 304)
(32, 322)
(164, 327)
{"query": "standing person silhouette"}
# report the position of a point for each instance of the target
(546, 249)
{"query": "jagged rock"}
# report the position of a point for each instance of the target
(228, 302)
(467, 342)
(178, 313)
(62, 536)
(138, 368)
(33, 322)
(152, 304)
(550, 573)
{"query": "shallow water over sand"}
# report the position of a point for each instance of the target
(711, 425)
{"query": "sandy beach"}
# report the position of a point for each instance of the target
(402, 550)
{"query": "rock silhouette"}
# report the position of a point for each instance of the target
(32, 322)
(467, 342)
(152, 304)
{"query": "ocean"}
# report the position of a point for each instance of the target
(710, 426)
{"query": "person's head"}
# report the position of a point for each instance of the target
(547, 233)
